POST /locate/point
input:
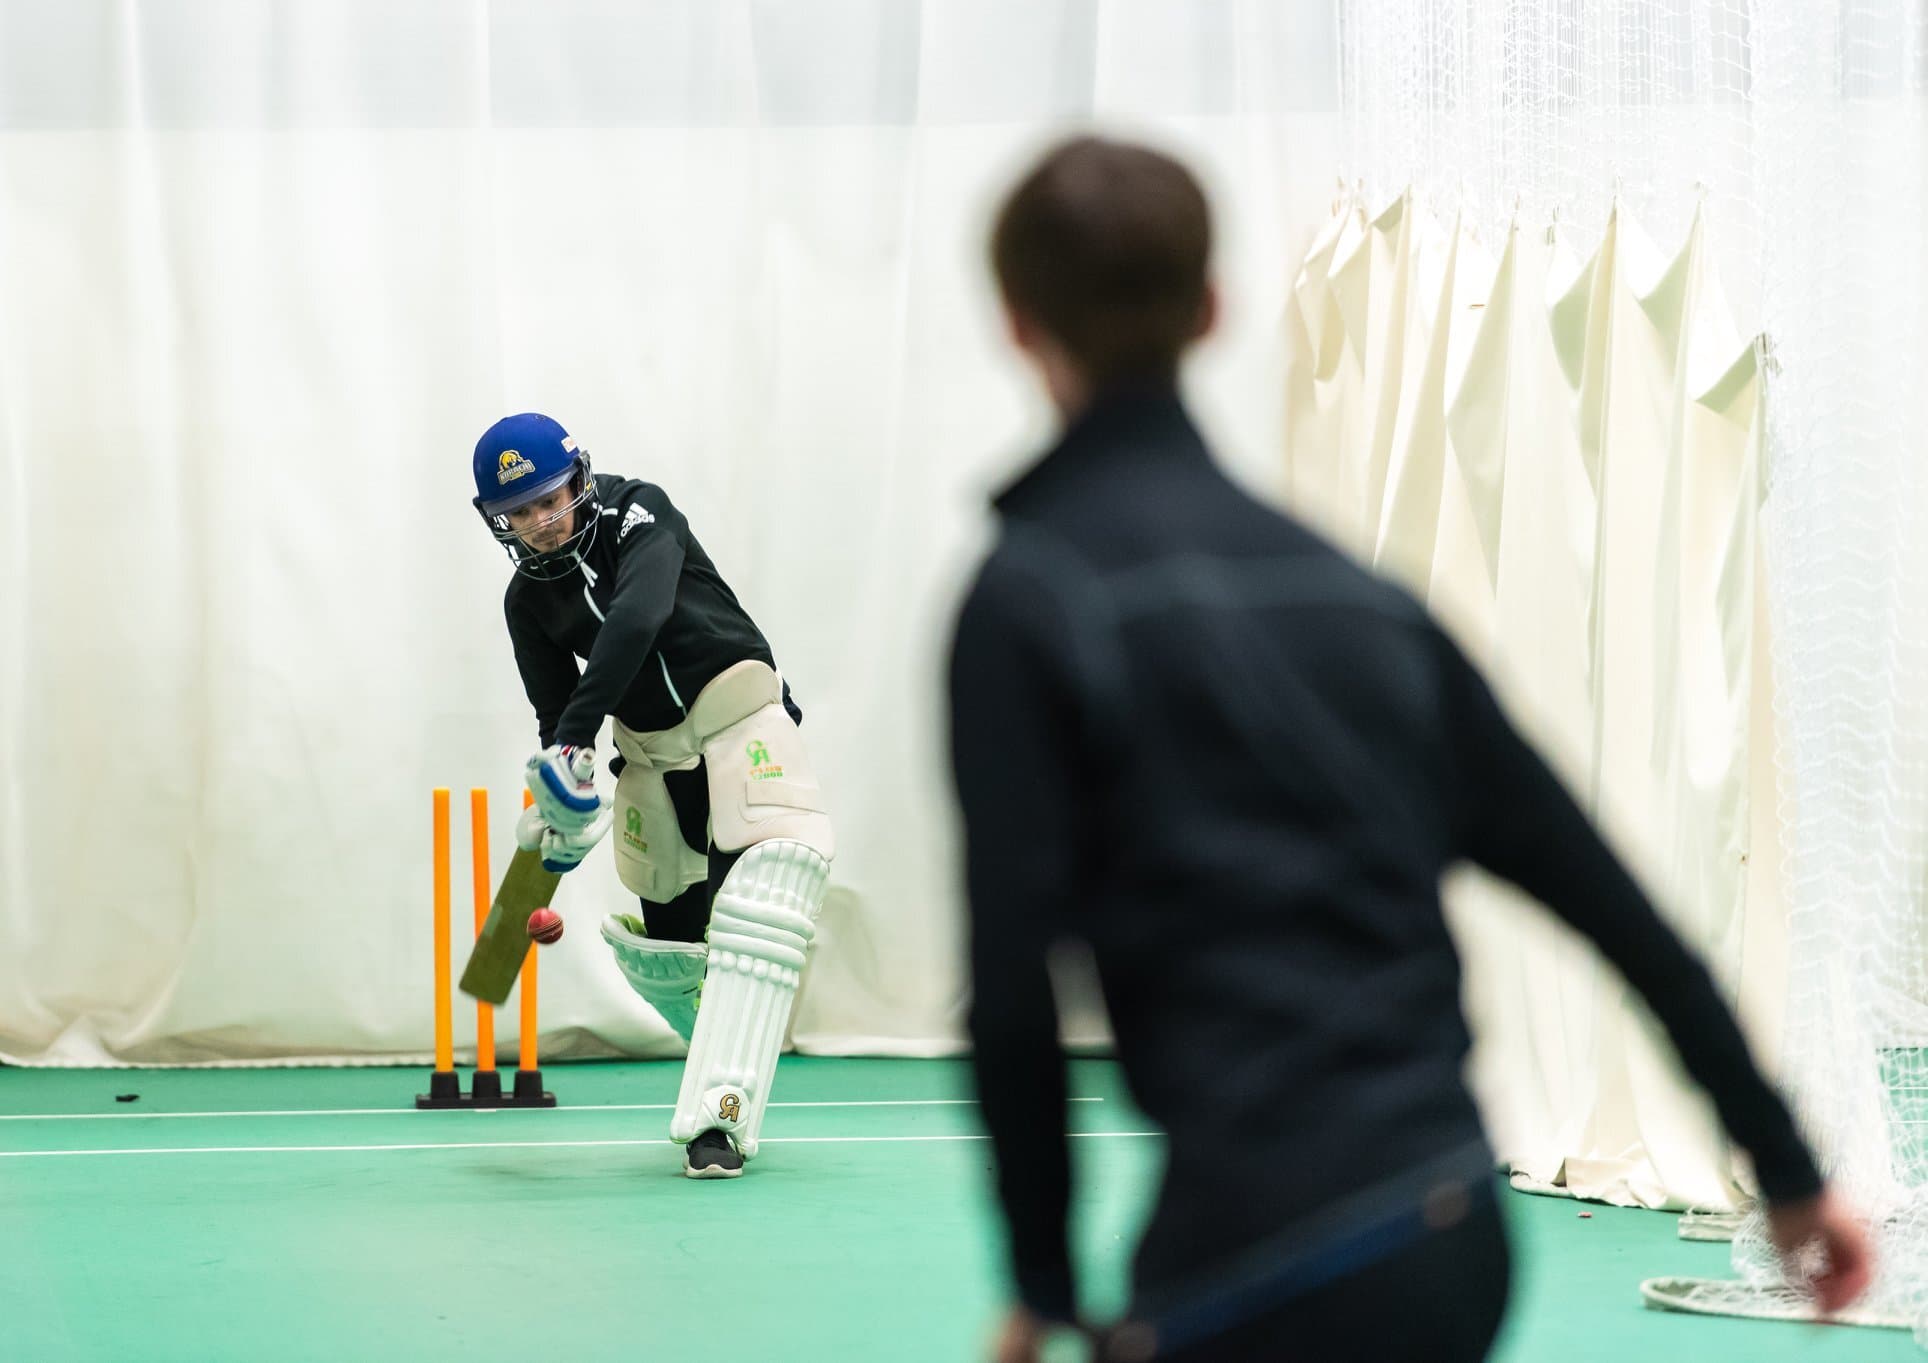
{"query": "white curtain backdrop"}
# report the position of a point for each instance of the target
(268, 268)
(1562, 454)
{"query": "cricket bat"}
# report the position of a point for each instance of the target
(504, 940)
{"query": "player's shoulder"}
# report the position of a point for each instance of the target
(631, 506)
(616, 489)
(1031, 580)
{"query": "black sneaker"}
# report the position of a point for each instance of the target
(711, 1155)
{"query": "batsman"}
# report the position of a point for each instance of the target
(720, 828)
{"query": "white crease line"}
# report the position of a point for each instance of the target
(524, 1145)
(396, 1111)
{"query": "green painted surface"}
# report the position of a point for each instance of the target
(583, 1243)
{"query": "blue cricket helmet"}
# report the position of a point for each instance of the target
(519, 460)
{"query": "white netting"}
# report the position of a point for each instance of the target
(1549, 107)
(1798, 126)
(1840, 92)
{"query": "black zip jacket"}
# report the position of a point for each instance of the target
(1191, 733)
(646, 610)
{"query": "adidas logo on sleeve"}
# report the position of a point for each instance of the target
(635, 516)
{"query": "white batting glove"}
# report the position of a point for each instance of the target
(561, 851)
(562, 778)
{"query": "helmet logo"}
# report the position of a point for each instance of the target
(511, 466)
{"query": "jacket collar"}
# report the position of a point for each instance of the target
(1137, 417)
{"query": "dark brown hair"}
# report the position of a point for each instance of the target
(1104, 245)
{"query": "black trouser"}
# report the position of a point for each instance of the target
(1437, 1300)
(686, 918)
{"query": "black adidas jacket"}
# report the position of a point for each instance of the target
(646, 611)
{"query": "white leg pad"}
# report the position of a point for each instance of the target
(761, 927)
(668, 975)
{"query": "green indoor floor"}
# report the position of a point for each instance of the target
(267, 1215)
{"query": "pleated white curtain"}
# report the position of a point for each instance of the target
(1562, 456)
(266, 271)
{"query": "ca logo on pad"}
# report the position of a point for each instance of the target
(762, 768)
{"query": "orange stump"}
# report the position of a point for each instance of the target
(485, 1088)
(444, 1089)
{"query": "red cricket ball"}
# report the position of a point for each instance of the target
(545, 925)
